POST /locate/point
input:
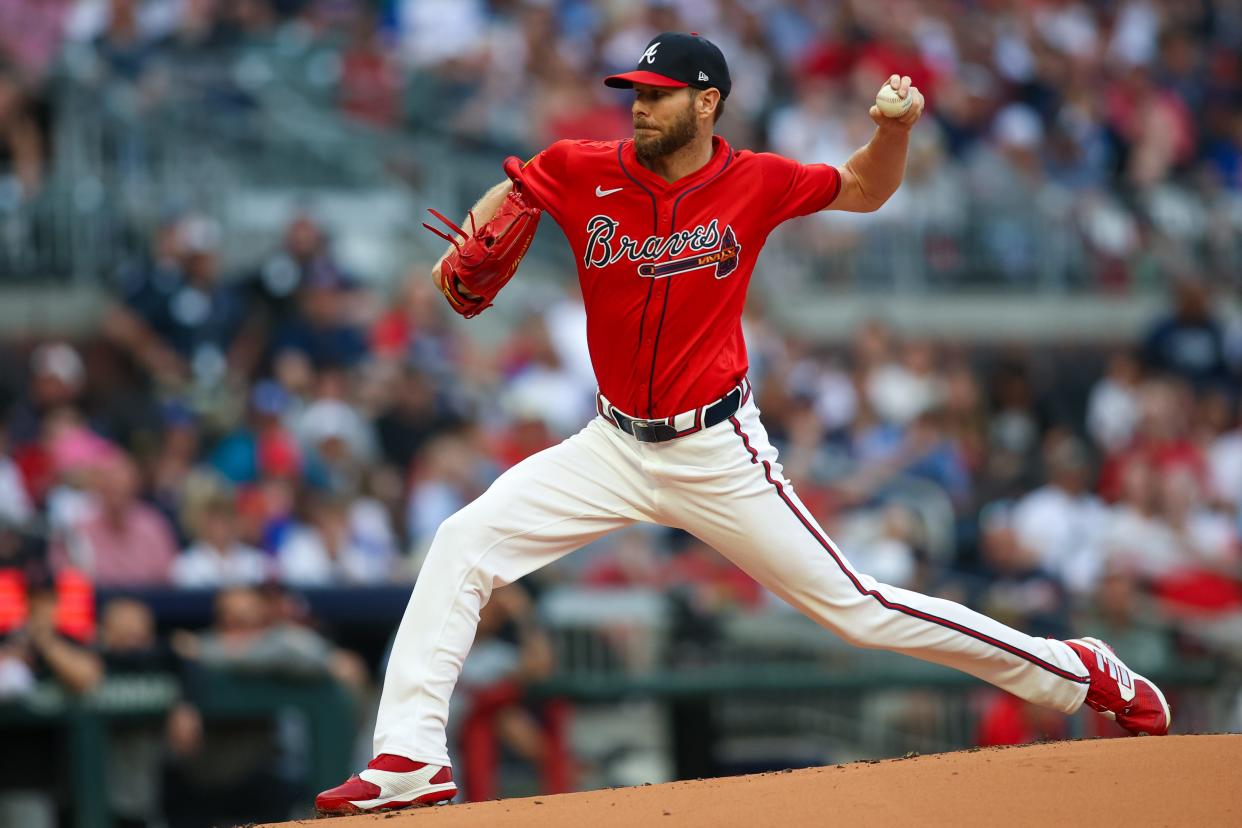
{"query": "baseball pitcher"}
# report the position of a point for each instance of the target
(666, 228)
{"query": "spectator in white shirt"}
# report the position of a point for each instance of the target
(1113, 408)
(1061, 521)
(1224, 456)
(217, 557)
(340, 542)
(1163, 529)
(15, 505)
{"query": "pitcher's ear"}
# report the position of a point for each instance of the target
(707, 99)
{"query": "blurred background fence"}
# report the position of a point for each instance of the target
(761, 692)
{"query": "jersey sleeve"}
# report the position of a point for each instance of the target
(799, 189)
(546, 175)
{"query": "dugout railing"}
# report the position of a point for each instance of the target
(746, 691)
(85, 724)
(700, 719)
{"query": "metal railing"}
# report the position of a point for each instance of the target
(774, 686)
(327, 708)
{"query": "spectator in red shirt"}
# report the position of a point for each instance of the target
(1161, 439)
(57, 382)
(571, 107)
(370, 89)
(123, 542)
(713, 583)
(417, 331)
(1008, 720)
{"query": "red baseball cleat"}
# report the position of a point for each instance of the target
(389, 782)
(1119, 693)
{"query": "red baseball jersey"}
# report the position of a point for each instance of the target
(664, 266)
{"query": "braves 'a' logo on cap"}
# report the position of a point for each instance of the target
(649, 55)
(706, 245)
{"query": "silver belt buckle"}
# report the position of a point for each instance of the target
(660, 432)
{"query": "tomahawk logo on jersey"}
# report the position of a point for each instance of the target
(665, 266)
(708, 247)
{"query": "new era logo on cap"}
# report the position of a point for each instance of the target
(676, 59)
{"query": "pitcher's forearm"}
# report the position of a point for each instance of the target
(879, 166)
(874, 172)
(484, 211)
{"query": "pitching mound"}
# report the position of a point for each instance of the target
(1174, 781)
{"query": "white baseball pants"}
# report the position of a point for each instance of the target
(723, 485)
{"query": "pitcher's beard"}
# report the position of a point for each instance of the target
(678, 134)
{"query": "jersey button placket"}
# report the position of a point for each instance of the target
(663, 227)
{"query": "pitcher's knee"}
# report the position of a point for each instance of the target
(864, 635)
(453, 531)
(458, 547)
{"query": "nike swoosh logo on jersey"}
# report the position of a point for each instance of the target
(601, 193)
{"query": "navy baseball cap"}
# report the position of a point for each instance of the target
(677, 59)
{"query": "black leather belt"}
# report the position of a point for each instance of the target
(660, 431)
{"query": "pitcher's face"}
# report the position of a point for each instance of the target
(664, 120)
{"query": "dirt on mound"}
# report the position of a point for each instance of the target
(1174, 781)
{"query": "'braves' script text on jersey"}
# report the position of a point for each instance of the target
(605, 247)
(665, 266)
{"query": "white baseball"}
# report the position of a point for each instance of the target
(892, 104)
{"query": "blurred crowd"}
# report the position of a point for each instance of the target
(288, 424)
(1068, 143)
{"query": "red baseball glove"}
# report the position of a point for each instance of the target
(484, 261)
